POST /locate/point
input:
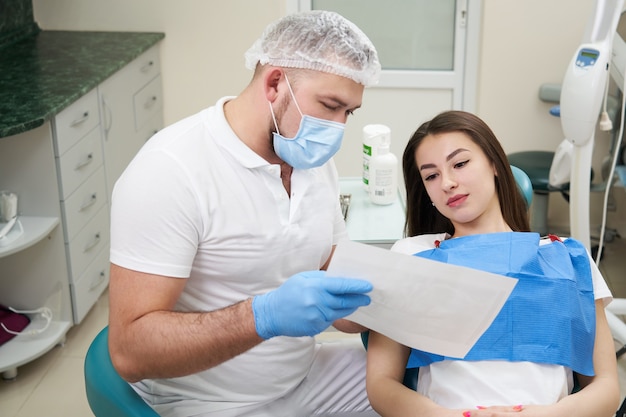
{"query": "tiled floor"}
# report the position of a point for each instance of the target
(52, 386)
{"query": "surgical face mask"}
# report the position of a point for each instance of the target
(316, 141)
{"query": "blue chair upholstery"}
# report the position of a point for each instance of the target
(107, 393)
(524, 184)
(536, 164)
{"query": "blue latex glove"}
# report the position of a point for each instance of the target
(307, 304)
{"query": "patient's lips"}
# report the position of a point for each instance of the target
(456, 200)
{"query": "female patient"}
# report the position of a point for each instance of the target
(464, 208)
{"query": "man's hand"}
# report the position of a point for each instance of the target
(307, 303)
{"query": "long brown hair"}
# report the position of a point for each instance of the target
(422, 217)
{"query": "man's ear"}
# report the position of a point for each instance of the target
(271, 82)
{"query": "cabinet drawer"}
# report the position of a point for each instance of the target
(76, 121)
(90, 285)
(147, 102)
(144, 68)
(152, 126)
(88, 243)
(78, 163)
(84, 203)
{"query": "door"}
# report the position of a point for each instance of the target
(429, 54)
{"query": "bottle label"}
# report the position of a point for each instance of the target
(380, 193)
(367, 155)
(384, 177)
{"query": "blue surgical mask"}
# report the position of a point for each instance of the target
(316, 141)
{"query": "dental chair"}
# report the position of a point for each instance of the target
(107, 393)
(524, 184)
(537, 164)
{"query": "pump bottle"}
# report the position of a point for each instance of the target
(373, 136)
(383, 176)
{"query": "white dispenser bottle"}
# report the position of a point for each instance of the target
(373, 136)
(383, 176)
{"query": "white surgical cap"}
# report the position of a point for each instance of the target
(317, 40)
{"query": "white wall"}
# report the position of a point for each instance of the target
(202, 53)
(523, 44)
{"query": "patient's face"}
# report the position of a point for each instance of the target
(460, 181)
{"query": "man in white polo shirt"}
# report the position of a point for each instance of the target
(221, 228)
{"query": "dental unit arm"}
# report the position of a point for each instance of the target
(582, 92)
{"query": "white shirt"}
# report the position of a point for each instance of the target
(467, 384)
(196, 203)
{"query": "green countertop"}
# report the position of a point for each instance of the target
(42, 74)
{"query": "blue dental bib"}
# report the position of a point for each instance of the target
(550, 315)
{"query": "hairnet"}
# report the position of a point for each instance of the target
(317, 40)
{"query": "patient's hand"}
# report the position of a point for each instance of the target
(494, 411)
(553, 410)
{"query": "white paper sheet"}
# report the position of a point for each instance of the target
(424, 304)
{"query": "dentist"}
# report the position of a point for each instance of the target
(221, 228)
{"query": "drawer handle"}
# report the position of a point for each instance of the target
(91, 202)
(93, 243)
(147, 67)
(108, 118)
(82, 119)
(88, 160)
(150, 102)
(96, 283)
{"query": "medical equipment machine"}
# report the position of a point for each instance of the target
(583, 88)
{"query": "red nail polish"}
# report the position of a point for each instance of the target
(518, 407)
(467, 414)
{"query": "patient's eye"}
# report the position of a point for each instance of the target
(461, 164)
(430, 177)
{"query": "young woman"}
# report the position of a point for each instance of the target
(464, 207)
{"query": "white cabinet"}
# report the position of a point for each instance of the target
(83, 200)
(33, 271)
(96, 137)
(63, 173)
(131, 104)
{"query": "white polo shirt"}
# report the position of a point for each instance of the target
(196, 203)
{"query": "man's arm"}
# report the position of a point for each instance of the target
(149, 340)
